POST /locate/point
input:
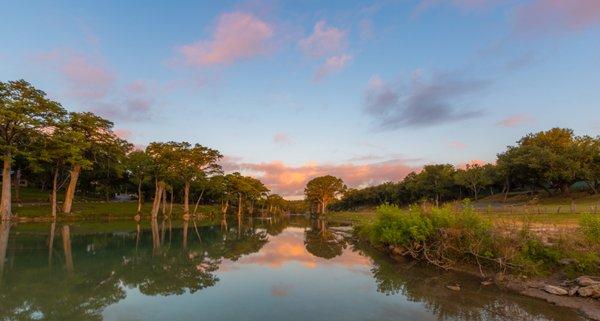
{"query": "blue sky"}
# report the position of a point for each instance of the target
(292, 89)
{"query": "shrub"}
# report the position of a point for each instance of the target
(590, 226)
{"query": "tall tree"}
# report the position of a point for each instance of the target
(99, 146)
(436, 181)
(138, 166)
(193, 163)
(163, 160)
(474, 177)
(322, 190)
(58, 147)
(24, 112)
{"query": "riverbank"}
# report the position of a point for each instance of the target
(100, 211)
(530, 255)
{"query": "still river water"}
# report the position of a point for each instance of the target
(284, 269)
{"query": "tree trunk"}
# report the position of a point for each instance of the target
(155, 236)
(160, 185)
(198, 202)
(139, 206)
(164, 201)
(18, 186)
(5, 203)
(186, 198)
(70, 194)
(54, 193)
(171, 204)
(66, 236)
(239, 213)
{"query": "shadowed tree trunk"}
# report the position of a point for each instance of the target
(70, 194)
(239, 211)
(186, 198)
(5, 203)
(18, 186)
(140, 196)
(54, 193)
(164, 201)
(66, 238)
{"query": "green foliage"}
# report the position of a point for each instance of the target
(590, 226)
(321, 191)
(445, 236)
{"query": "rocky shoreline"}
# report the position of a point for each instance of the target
(581, 294)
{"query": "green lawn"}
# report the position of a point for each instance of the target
(563, 219)
(102, 210)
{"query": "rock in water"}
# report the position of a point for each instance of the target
(552, 289)
(453, 287)
(586, 281)
(592, 291)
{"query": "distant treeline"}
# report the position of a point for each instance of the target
(551, 161)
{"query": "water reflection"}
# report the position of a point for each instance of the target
(269, 268)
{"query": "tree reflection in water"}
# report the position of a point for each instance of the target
(93, 270)
(90, 271)
(323, 242)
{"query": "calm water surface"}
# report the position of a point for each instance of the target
(287, 269)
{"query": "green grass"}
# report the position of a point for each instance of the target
(563, 219)
(355, 218)
(102, 210)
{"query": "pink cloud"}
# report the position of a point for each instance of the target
(237, 36)
(86, 78)
(556, 15)
(515, 120)
(332, 64)
(282, 139)
(457, 145)
(471, 163)
(123, 133)
(137, 87)
(291, 180)
(324, 41)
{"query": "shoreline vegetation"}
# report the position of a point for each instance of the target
(557, 267)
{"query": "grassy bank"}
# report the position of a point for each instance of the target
(447, 237)
(101, 210)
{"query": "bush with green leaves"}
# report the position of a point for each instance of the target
(590, 226)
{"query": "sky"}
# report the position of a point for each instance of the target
(290, 90)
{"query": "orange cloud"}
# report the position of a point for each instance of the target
(282, 138)
(515, 120)
(472, 162)
(291, 180)
(237, 36)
